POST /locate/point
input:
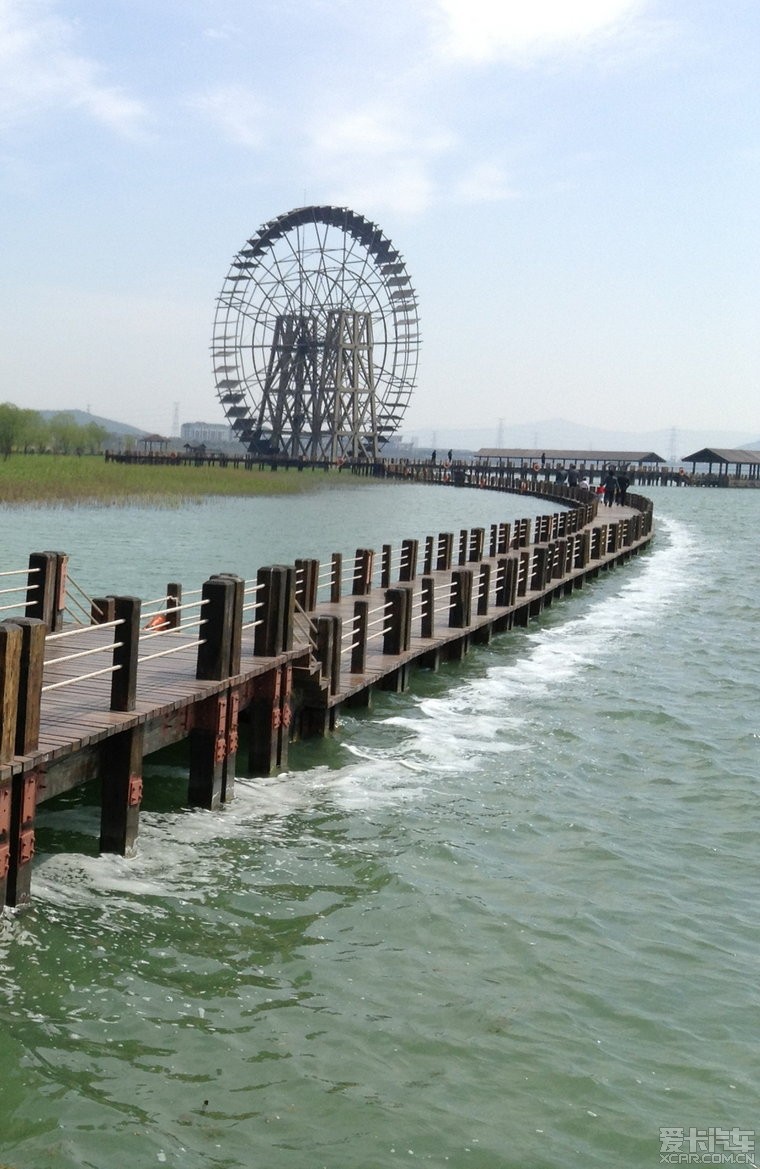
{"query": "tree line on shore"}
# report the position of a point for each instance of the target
(29, 432)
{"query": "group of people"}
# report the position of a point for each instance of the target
(614, 485)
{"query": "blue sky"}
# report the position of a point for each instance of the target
(573, 185)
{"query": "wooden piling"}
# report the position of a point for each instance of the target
(121, 790)
(22, 841)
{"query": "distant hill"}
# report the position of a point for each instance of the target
(559, 434)
(82, 418)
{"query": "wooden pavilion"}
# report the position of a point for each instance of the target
(724, 458)
(529, 457)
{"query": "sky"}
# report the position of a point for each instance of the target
(573, 185)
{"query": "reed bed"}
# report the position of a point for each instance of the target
(70, 479)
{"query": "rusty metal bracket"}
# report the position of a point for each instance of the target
(29, 797)
(135, 792)
(26, 846)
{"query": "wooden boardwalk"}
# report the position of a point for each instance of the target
(267, 658)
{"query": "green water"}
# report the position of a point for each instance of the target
(506, 919)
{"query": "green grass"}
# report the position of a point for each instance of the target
(66, 479)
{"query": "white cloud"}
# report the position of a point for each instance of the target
(377, 157)
(236, 111)
(484, 183)
(40, 70)
(523, 30)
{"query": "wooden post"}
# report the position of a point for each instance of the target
(5, 838)
(102, 610)
(40, 589)
(396, 640)
(445, 551)
(21, 838)
(463, 538)
(484, 589)
(236, 630)
(121, 790)
(460, 614)
(363, 564)
(267, 586)
(477, 545)
(10, 669)
(231, 746)
(306, 587)
(173, 605)
(336, 577)
(61, 578)
(523, 580)
(493, 547)
(277, 597)
(427, 622)
(125, 647)
(269, 718)
(409, 553)
(385, 566)
(214, 736)
(502, 583)
(287, 628)
(429, 553)
(286, 714)
(265, 715)
(327, 649)
(359, 639)
(208, 750)
(30, 684)
(538, 579)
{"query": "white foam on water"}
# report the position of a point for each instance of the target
(407, 760)
(481, 712)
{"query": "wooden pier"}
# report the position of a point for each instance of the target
(274, 658)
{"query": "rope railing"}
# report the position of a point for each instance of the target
(82, 630)
(16, 589)
(110, 647)
(73, 598)
(349, 627)
(83, 653)
(188, 623)
(80, 678)
(71, 613)
(164, 653)
(25, 589)
(19, 572)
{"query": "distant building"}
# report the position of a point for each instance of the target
(212, 434)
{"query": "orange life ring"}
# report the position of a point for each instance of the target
(157, 621)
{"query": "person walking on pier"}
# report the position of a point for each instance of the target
(623, 484)
(610, 485)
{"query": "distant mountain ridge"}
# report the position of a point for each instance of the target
(82, 418)
(559, 434)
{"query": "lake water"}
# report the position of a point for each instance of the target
(509, 918)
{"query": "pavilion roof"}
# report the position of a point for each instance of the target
(723, 455)
(533, 455)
